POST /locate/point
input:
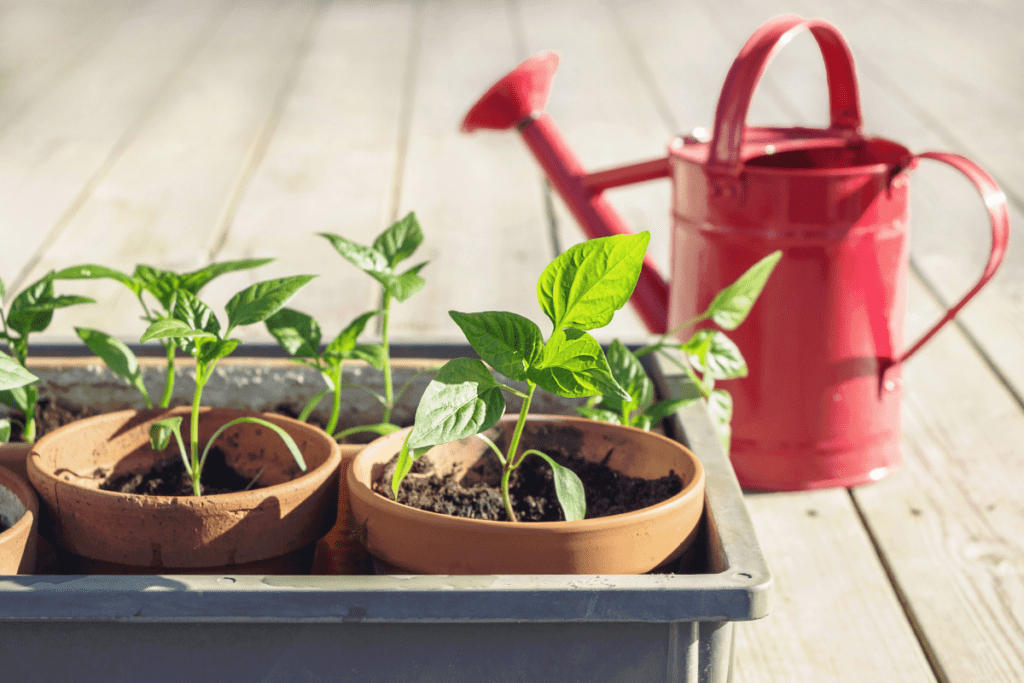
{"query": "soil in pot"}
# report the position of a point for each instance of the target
(477, 494)
(168, 478)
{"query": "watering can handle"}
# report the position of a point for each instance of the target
(995, 202)
(731, 114)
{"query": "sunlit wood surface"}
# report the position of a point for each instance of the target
(179, 132)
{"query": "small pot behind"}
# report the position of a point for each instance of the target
(20, 510)
(424, 542)
(266, 530)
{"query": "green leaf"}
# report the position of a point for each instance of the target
(5, 424)
(162, 329)
(714, 354)
(405, 285)
(584, 286)
(400, 240)
(662, 409)
(630, 374)
(367, 259)
(572, 364)
(285, 437)
(161, 431)
(196, 280)
(32, 310)
(344, 344)
(720, 409)
(508, 342)
(568, 488)
(117, 356)
(381, 429)
(296, 332)
(13, 376)
(17, 398)
(463, 399)
(406, 457)
(371, 353)
(162, 284)
(262, 300)
(194, 313)
(3, 289)
(216, 349)
(91, 271)
(641, 421)
(731, 306)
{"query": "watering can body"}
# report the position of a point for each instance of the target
(824, 343)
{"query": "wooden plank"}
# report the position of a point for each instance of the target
(836, 617)
(160, 203)
(52, 156)
(477, 196)
(331, 164)
(951, 523)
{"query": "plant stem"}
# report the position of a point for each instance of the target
(510, 462)
(194, 428)
(165, 400)
(29, 431)
(389, 391)
(336, 405)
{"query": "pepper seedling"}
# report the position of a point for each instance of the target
(707, 356)
(396, 244)
(195, 328)
(579, 291)
(163, 286)
(30, 311)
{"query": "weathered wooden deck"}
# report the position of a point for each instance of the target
(177, 132)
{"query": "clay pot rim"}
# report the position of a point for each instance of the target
(694, 489)
(322, 471)
(27, 495)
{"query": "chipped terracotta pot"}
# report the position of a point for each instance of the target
(268, 530)
(341, 551)
(20, 510)
(417, 541)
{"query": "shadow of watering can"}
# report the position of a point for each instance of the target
(825, 340)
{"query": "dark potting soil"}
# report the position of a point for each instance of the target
(3, 526)
(532, 489)
(51, 414)
(168, 478)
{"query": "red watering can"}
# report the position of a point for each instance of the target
(825, 340)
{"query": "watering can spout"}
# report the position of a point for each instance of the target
(517, 101)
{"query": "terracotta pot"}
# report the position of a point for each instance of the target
(426, 542)
(341, 551)
(13, 457)
(267, 530)
(19, 509)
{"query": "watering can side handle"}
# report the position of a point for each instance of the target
(995, 202)
(746, 71)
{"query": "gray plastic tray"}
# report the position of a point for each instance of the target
(671, 627)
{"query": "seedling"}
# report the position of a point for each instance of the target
(578, 291)
(195, 328)
(709, 355)
(391, 247)
(30, 311)
(163, 286)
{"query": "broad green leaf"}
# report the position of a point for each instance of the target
(17, 398)
(92, 271)
(161, 431)
(344, 344)
(400, 240)
(162, 284)
(56, 302)
(365, 258)
(641, 421)
(463, 399)
(112, 351)
(405, 285)
(296, 332)
(720, 409)
(716, 355)
(600, 415)
(196, 280)
(630, 375)
(572, 364)
(32, 310)
(5, 425)
(163, 329)
(194, 313)
(568, 488)
(371, 353)
(214, 350)
(508, 342)
(12, 375)
(260, 301)
(584, 286)
(731, 306)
